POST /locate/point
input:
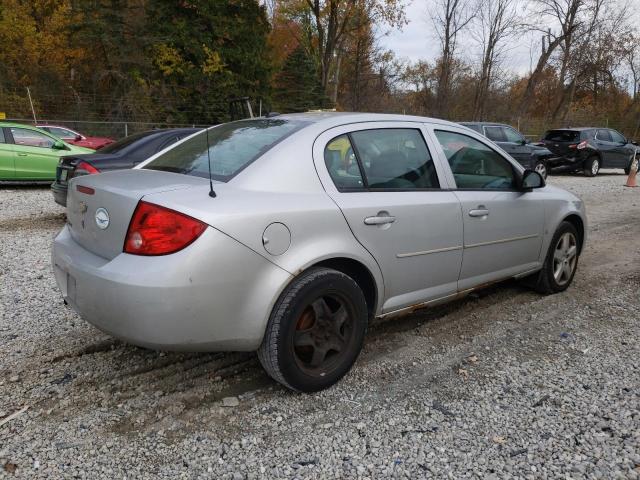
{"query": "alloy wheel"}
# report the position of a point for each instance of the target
(541, 168)
(565, 258)
(323, 334)
(595, 167)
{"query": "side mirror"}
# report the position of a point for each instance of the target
(59, 145)
(524, 141)
(78, 137)
(633, 142)
(532, 179)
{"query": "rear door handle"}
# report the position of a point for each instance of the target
(22, 154)
(481, 211)
(382, 220)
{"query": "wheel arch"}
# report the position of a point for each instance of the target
(360, 273)
(578, 223)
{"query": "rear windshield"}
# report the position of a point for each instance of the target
(232, 146)
(562, 136)
(120, 145)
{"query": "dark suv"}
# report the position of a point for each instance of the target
(529, 155)
(589, 149)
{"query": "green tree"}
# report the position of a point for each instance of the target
(297, 86)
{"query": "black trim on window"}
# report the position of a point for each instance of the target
(365, 181)
(514, 172)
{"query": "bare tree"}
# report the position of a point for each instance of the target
(450, 17)
(332, 20)
(631, 46)
(565, 14)
(575, 48)
(496, 22)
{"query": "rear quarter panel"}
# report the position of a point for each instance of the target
(283, 187)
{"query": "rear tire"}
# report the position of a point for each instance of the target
(315, 331)
(592, 166)
(561, 262)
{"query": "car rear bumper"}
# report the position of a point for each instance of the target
(214, 295)
(59, 192)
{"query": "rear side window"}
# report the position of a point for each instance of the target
(231, 147)
(395, 158)
(342, 164)
(2, 135)
(474, 165)
(562, 136)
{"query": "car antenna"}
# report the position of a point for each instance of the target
(212, 193)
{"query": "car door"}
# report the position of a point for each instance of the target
(621, 150)
(520, 150)
(503, 227)
(606, 146)
(7, 158)
(392, 193)
(36, 159)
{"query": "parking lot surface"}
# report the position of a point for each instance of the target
(505, 383)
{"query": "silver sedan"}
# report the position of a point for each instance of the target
(288, 235)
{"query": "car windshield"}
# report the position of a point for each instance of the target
(562, 136)
(232, 146)
(120, 145)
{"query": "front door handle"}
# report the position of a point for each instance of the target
(481, 211)
(22, 154)
(379, 220)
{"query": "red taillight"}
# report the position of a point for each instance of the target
(156, 230)
(579, 146)
(84, 168)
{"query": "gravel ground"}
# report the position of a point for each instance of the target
(502, 384)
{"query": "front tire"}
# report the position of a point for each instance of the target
(541, 168)
(315, 331)
(561, 261)
(592, 166)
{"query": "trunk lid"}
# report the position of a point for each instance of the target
(100, 207)
(562, 142)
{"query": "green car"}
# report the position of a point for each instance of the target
(29, 153)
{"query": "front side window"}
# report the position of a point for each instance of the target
(395, 158)
(342, 164)
(616, 137)
(2, 135)
(62, 133)
(231, 147)
(31, 138)
(495, 133)
(512, 136)
(474, 165)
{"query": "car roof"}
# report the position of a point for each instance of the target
(332, 119)
(16, 124)
(578, 129)
(485, 124)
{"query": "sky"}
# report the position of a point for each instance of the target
(417, 41)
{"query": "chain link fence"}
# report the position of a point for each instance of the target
(114, 130)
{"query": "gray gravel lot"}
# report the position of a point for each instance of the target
(502, 384)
